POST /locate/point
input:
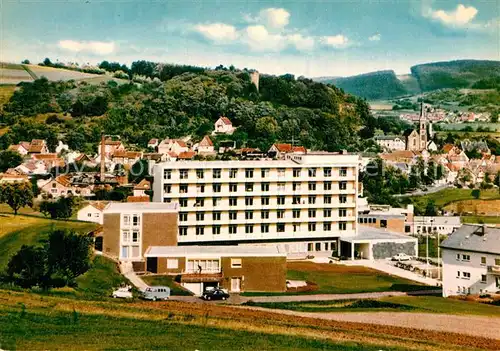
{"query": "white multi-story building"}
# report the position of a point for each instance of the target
(471, 261)
(390, 142)
(305, 203)
(436, 224)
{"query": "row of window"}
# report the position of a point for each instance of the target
(249, 187)
(326, 246)
(466, 258)
(130, 236)
(264, 228)
(134, 220)
(264, 200)
(249, 172)
(233, 215)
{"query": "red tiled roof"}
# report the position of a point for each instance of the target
(226, 121)
(14, 176)
(153, 141)
(143, 185)
(283, 147)
(81, 157)
(249, 149)
(299, 149)
(112, 142)
(46, 157)
(99, 205)
(186, 155)
(448, 147)
(206, 141)
(138, 199)
(64, 180)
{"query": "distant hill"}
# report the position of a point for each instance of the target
(425, 77)
(373, 86)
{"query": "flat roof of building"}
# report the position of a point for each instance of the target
(366, 233)
(157, 207)
(213, 251)
(471, 238)
(437, 220)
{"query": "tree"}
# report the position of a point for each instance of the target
(26, 62)
(47, 62)
(138, 171)
(28, 267)
(9, 159)
(476, 193)
(61, 208)
(16, 195)
(430, 208)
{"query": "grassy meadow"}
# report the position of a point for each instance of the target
(447, 196)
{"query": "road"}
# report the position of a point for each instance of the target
(428, 191)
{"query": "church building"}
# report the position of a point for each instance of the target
(417, 140)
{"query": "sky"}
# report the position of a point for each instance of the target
(312, 38)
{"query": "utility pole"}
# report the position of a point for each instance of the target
(103, 151)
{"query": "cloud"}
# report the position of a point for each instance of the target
(337, 41)
(93, 47)
(375, 37)
(274, 18)
(301, 42)
(258, 38)
(219, 32)
(459, 17)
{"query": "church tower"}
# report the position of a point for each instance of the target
(423, 127)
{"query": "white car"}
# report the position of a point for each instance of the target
(401, 257)
(124, 293)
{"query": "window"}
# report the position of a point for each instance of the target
(327, 213)
(343, 172)
(183, 188)
(281, 172)
(216, 201)
(458, 274)
(296, 186)
(200, 202)
(465, 275)
(296, 213)
(343, 185)
(458, 257)
(183, 216)
(342, 199)
(135, 236)
(296, 200)
(233, 215)
(248, 187)
(311, 199)
(216, 173)
(233, 229)
(327, 186)
(342, 225)
(216, 216)
(248, 201)
(264, 228)
(183, 231)
(264, 215)
(233, 201)
(264, 172)
(233, 173)
(484, 279)
(311, 186)
(200, 173)
(296, 228)
(281, 186)
(200, 230)
(383, 223)
(125, 236)
(136, 220)
(167, 174)
(497, 261)
(89, 214)
(311, 213)
(200, 188)
(264, 200)
(264, 187)
(280, 214)
(281, 200)
(172, 263)
(183, 202)
(342, 212)
(312, 172)
(327, 172)
(465, 257)
(167, 188)
(311, 227)
(327, 226)
(200, 216)
(233, 187)
(248, 214)
(310, 247)
(280, 227)
(483, 260)
(235, 262)
(126, 220)
(327, 199)
(296, 172)
(216, 230)
(183, 173)
(317, 246)
(249, 173)
(249, 229)
(216, 188)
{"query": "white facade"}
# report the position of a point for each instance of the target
(467, 272)
(306, 199)
(436, 224)
(90, 213)
(224, 126)
(391, 143)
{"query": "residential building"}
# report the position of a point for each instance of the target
(205, 146)
(110, 147)
(123, 157)
(224, 126)
(471, 261)
(13, 178)
(38, 146)
(444, 225)
(141, 188)
(235, 268)
(175, 146)
(22, 148)
(281, 150)
(153, 143)
(93, 212)
(394, 219)
(305, 203)
(390, 142)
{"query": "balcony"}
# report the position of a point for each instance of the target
(495, 270)
(201, 277)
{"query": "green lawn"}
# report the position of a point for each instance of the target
(481, 219)
(446, 196)
(427, 304)
(166, 280)
(340, 279)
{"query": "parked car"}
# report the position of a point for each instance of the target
(156, 293)
(215, 294)
(124, 293)
(401, 257)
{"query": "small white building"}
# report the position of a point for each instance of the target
(444, 225)
(390, 142)
(141, 188)
(206, 146)
(224, 126)
(153, 143)
(92, 212)
(471, 261)
(175, 146)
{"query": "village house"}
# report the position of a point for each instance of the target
(175, 146)
(110, 147)
(224, 126)
(126, 158)
(93, 212)
(390, 142)
(58, 186)
(32, 167)
(279, 151)
(22, 148)
(141, 188)
(12, 178)
(205, 146)
(50, 160)
(153, 143)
